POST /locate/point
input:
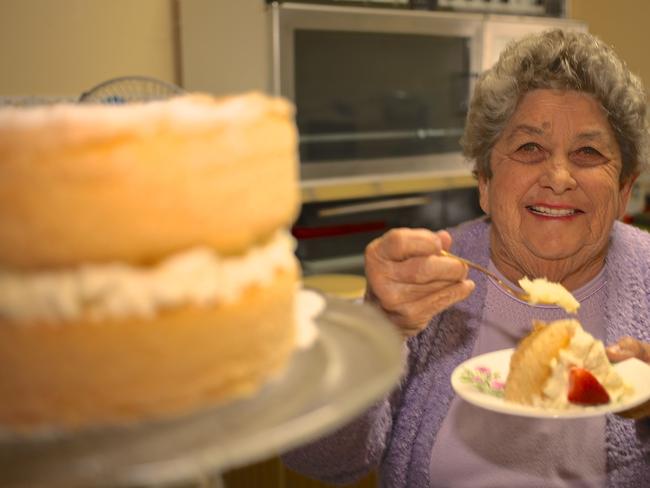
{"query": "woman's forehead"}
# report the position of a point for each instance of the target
(542, 111)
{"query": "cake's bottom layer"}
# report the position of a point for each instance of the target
(86, 374)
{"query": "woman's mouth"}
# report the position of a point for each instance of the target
(555, 212)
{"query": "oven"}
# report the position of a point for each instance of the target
(381, 97)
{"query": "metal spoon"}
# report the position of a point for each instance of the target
(514, 292)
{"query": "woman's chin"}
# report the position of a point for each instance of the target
(550, 250)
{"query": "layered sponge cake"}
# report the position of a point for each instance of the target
(145, 265)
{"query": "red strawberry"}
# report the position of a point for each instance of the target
(585, 389)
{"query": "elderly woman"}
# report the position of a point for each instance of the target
(558, 134)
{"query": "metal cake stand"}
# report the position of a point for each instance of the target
(354, 360)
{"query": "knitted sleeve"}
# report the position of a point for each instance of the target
(353, 450)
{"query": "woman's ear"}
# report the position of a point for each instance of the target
(624, 194)
(483, 190)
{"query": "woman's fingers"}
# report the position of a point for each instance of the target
(628, 347)
(428, 269)
(404, 243)
(409, 279)
(438, 294)
(411, 256)
(413, 316)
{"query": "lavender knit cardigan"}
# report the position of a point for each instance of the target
(396, 435)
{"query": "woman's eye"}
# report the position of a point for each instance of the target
(529, 153)
(588, 156)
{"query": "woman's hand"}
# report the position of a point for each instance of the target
(625, 348)
(410, 281)
(628, 347)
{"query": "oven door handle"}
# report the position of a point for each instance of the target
(390, 203)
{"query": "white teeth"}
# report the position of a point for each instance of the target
(556, 212)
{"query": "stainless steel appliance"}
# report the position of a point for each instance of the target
(381, 93)
(332, 235)
(381, 96)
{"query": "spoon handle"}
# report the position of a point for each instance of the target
(521, 295)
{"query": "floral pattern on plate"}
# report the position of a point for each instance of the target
(484, 380)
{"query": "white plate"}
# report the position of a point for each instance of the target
(494, 367)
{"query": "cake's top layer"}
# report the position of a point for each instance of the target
(138, 182)
(66, 123)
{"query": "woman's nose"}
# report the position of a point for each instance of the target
(557, 174)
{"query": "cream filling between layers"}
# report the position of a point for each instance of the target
(585, 352)
(198, 276)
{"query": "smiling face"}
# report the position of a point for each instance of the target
(554, 192)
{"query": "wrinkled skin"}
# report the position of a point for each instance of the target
(410, 281)
(625, 348)
(555, 189)
(553, 197)
(628, 347)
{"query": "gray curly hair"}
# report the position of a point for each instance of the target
(558, 59)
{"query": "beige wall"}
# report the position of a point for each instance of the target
(624, 25)
(225, 45)
(64, 47)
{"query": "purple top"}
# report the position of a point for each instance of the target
(397, 434)
(477, 448)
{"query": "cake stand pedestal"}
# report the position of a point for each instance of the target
(355, 359)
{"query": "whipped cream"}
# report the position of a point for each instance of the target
(585, 352)
(198, 276)
(308, 306)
